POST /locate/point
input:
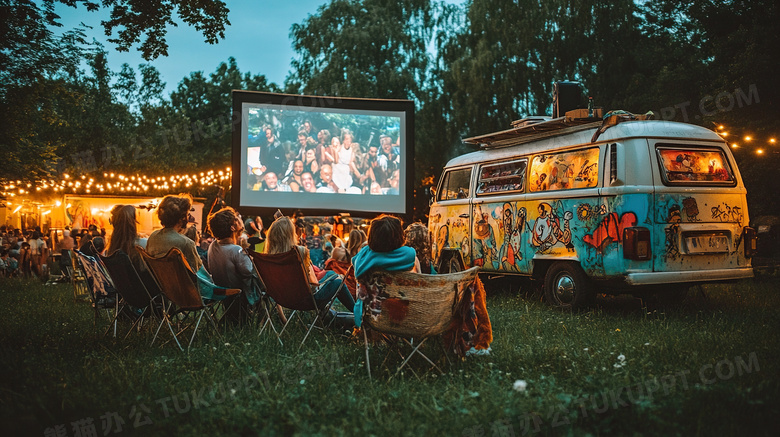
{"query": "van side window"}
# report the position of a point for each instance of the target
(502, 177)
(565, 170)
(685, 165)
(456, 184)
(612, 163)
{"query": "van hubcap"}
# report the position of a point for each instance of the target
(564, 288)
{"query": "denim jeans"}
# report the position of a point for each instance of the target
(331, 285)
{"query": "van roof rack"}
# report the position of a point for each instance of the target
(528, 129)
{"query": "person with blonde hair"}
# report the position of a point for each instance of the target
(356, 241)
(281, 239)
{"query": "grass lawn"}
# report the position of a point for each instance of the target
(708, 367)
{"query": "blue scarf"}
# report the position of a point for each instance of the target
(398, 260)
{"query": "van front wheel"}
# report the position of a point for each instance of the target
(566, 286)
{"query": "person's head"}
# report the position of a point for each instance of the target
(308, 182)
(375, 188)
(339, 254)
(270, 180)
(307, 126)
(280, 237)
(326, 173)
(311, 154)
(303, 138)
(174, 210)
(385, 234)
(416, 236)
(269, 134)
(192, 233)
(384, 142)
(125, 229)
(225, 223)
(355, 242)
(36, 235)
(346, 138)
(335, 142)
(323, 137)
(298, 167)
(373, 151)
(99, 243)
(394, 177)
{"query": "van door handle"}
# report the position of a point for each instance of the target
(464, 216)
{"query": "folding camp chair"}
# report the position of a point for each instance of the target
(286, 282)
(78, 279)
(132, 290)
(182, 291)
(411, 306)
(101, 289)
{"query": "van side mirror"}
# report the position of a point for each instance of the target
(431, 195)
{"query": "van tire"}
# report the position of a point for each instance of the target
(566, 286)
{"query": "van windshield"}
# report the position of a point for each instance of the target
(455, 184)
(694, 166)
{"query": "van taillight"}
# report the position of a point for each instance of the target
(751, 242)
(636, 243)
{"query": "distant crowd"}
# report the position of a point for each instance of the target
(326, 163)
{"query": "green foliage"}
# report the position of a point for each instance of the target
(57, 370)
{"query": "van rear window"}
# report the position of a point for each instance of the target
(502, 177)
(455, 184)
(697, 166)
(565, 170)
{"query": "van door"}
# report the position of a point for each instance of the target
(449, 219)
(500, 241)
(700, 208)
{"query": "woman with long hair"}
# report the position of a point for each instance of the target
(281, 239)
(355, 242)
(125, 238)
(416, 236)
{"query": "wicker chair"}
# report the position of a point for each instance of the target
(411, 306)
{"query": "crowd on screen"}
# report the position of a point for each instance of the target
(322, 162)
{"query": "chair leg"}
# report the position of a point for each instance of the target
(195, 331)
(368, 362)
(316, 317)
(416, 350)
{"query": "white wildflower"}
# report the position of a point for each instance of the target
(520, 385)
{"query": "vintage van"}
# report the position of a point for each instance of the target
(586, 207)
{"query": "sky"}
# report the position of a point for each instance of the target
(258, 37)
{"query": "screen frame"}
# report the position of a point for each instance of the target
(305, 102)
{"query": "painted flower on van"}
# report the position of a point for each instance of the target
(547, 231)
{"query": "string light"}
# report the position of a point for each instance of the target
(749, 139)
(119, 183)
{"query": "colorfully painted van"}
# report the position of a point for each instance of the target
(594, 207)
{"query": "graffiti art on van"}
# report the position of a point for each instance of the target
(442, 240)
(484, 241)
(673, 233)
(610, 230)
(511, 226)
(727, 213)
(547, 230)
(691, 209)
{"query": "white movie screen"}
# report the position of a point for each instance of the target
(329, 159)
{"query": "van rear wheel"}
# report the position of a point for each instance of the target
(566, 286)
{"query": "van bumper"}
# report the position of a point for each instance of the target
(690, 276)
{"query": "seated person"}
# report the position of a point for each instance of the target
(125, 238)
(386, 250)
(173, 213)
(339, 263)
(8, 265)
(229, 265)
(417, 237)
(281, 239)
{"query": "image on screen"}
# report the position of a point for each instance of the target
(343, 155)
